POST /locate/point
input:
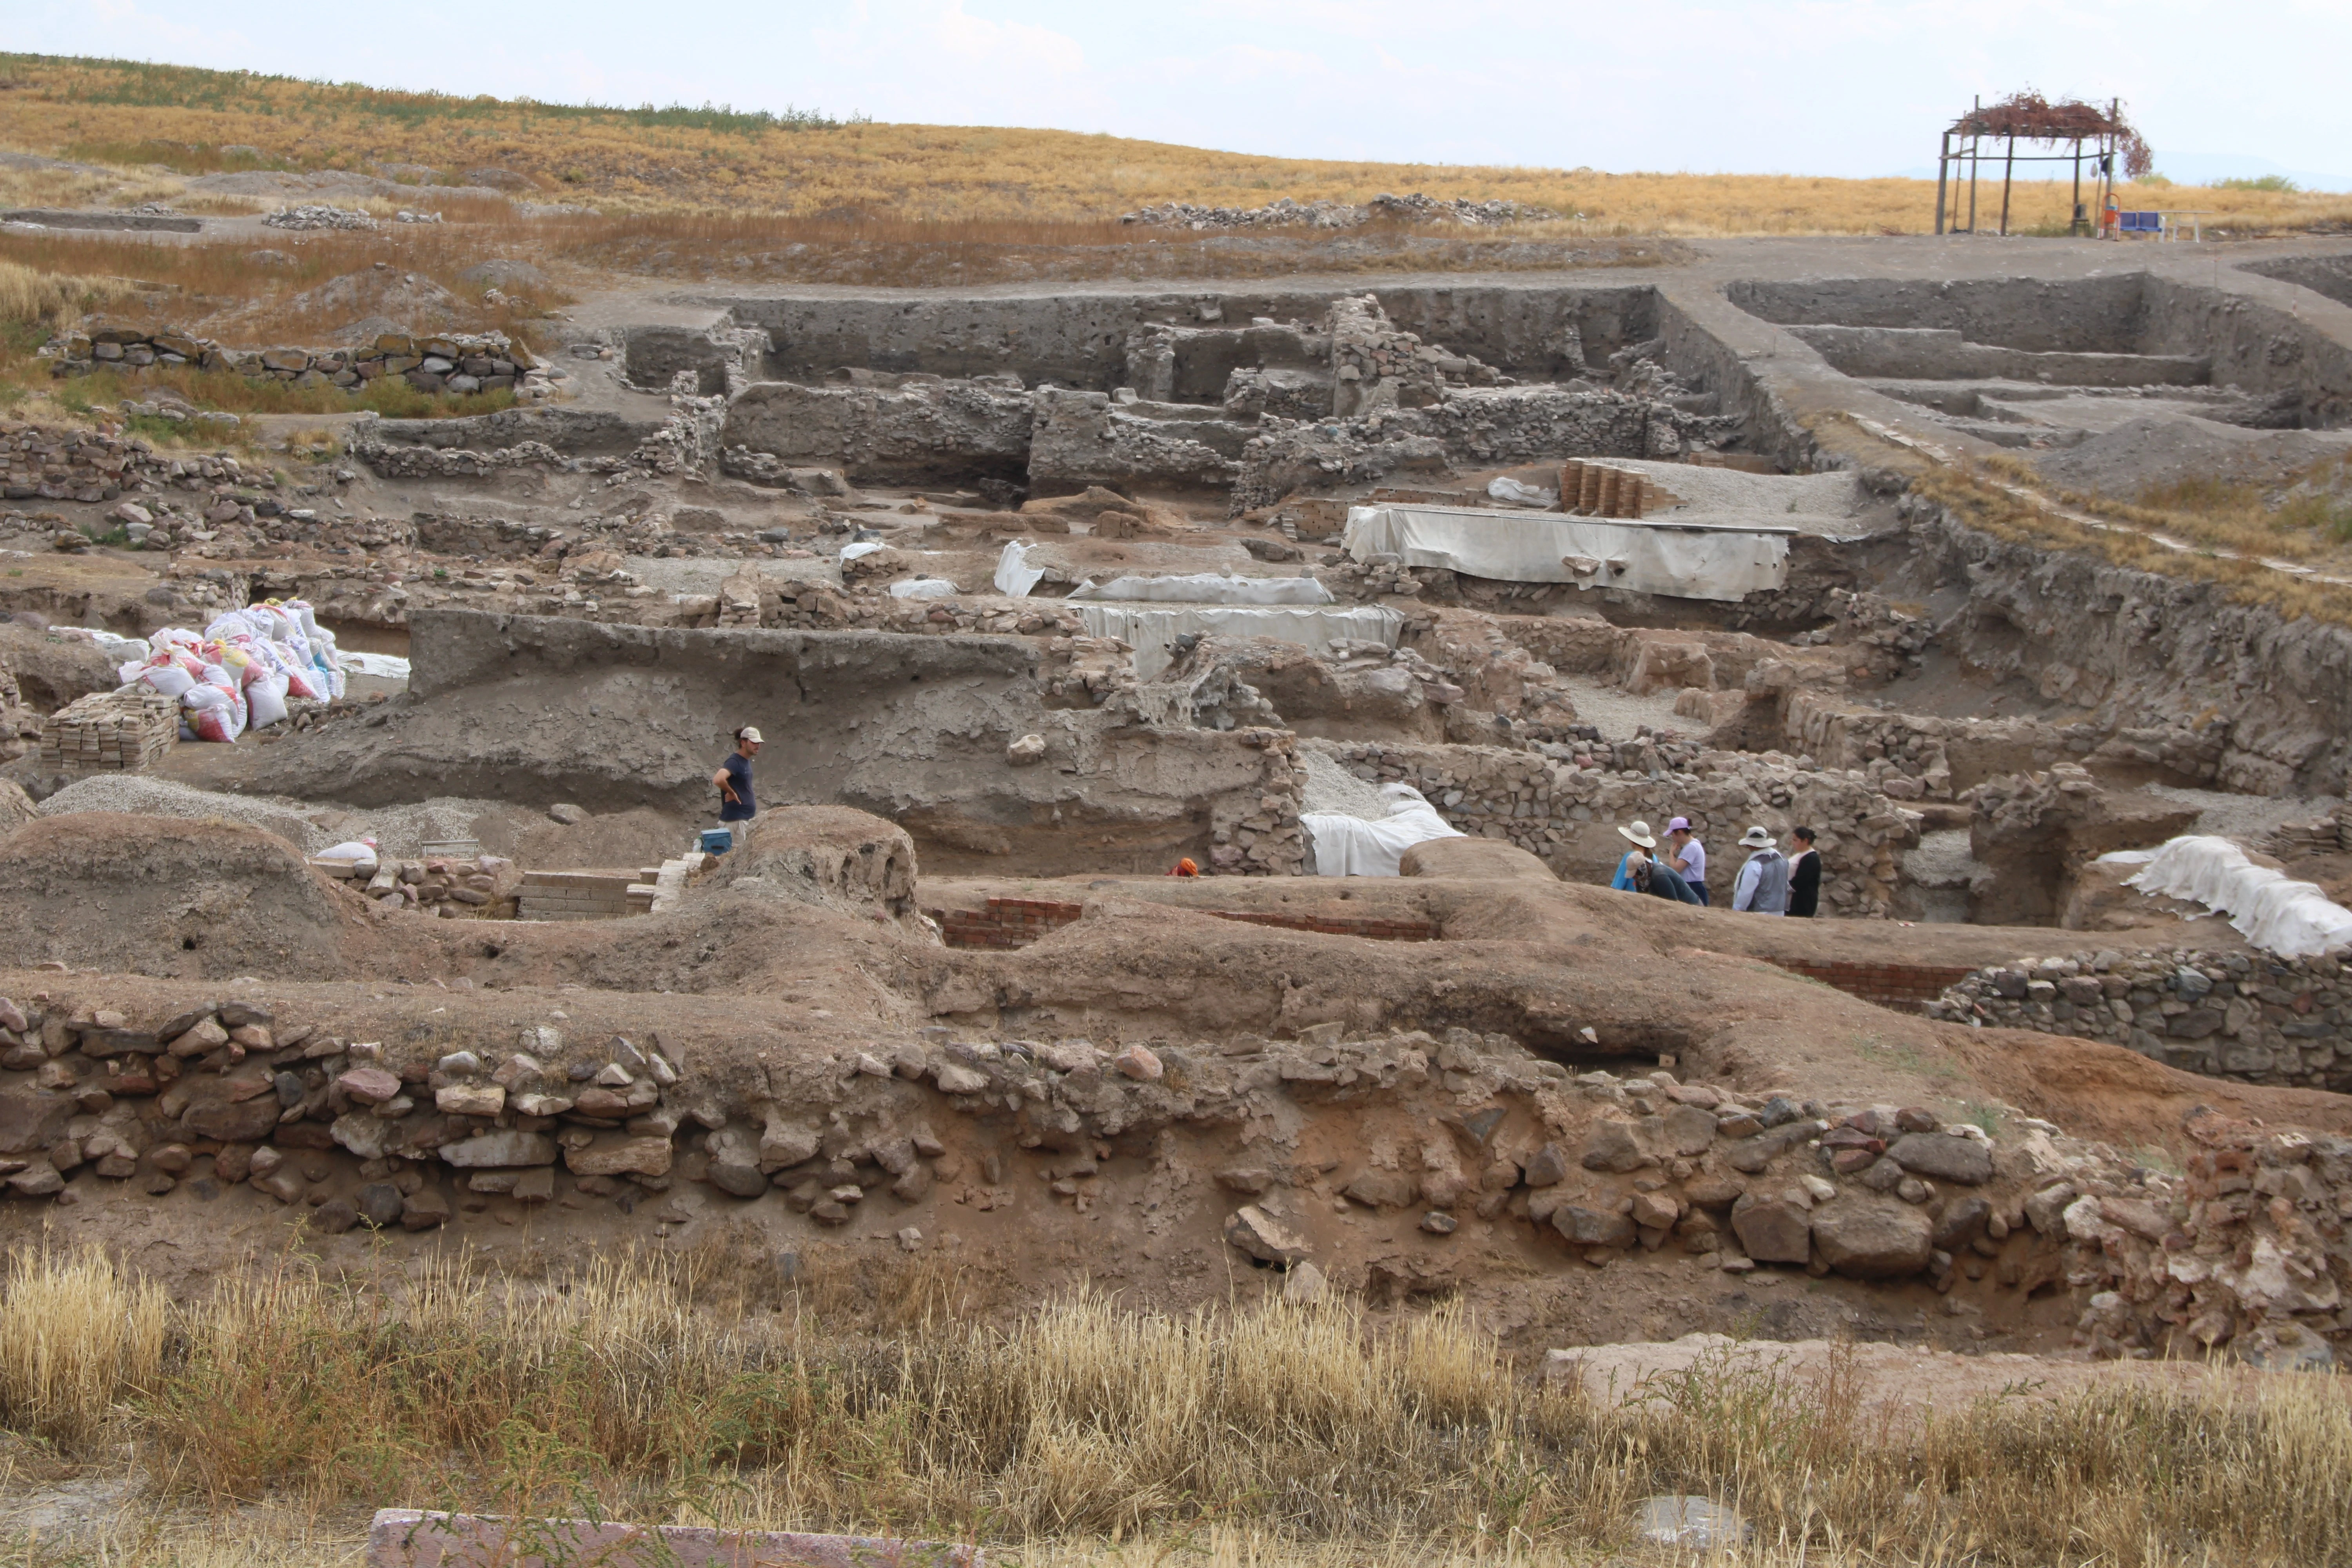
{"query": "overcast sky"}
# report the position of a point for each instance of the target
(1820, 87)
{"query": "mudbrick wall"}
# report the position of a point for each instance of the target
(2249, 1016)
(1568, 816)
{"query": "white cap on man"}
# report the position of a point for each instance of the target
(1756, 838)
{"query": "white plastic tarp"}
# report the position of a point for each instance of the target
(922, 588)
(1350, 846)
(383, 666)
(1205, 588)
(1015, 575)
(2268, 907)
(1148, 629)
(1687, 561)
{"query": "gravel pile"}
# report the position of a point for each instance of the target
(2156, 451)
(402, 831)
(1332, 789)
(399, 831)
(156, 797)
(2245, 817)
(1617, 714)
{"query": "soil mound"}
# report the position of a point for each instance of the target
(2156, 451)
(831, 856)
(150, 895)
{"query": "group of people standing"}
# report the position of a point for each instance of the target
(1770, 883)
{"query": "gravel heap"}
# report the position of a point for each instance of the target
(400, 831)
(157, 797)
(1332, 789)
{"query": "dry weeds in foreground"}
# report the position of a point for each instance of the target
(1263, 1434)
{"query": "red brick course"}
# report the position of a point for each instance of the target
(1010, 923)
(1906, 987)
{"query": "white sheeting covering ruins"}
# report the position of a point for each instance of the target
(1350, 846)
(2269, 908)
(1205, 588)
(1148, 629)
(1015, 575)
(1685, 560)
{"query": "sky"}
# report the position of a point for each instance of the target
(1808, 87)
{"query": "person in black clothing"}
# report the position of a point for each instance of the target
(1805, 876)
(733, 779)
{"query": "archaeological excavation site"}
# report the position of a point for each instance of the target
(1218, 749)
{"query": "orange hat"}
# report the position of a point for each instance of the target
(1185, 867)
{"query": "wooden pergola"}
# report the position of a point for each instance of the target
(2100, 136)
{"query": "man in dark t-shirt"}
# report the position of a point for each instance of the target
(733, 779)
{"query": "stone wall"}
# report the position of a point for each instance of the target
(1568, 816)
(926, 429)
(1081, 439)
(2244, 1016)
(685, 442)
(44, 463)
(1481, 428)
(1913, 757)
(455, 363)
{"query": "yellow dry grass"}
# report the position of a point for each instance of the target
(154, 120)
(31, 298)
(1998, 510)
(870, 1398)
(77, 1339)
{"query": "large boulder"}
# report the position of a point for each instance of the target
(1943, 1157)
(1871, 1238)
(1773, 1229)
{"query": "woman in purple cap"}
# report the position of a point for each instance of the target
(1686, 855)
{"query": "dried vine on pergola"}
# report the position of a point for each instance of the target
(2115, 147)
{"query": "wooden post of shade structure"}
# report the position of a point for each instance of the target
(1943, 168)
(2008, 172)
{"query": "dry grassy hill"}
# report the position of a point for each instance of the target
(143, 130)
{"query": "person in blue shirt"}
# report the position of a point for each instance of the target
(733, 779)
(1640, 872)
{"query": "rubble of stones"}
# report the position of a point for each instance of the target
(457, 362)
(1284, 212)
(2250, 1017)
(318, 216)
(482, 884)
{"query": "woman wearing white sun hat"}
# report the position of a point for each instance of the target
(1641, 872)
